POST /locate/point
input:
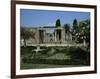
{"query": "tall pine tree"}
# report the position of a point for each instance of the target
(58, 31)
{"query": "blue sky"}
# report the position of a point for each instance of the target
(36, 18)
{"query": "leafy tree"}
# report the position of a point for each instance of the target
(84, 27)
(87, 22)
(75, 30)
(81, 33)
(26, 34)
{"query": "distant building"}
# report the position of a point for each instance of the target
(48, 35)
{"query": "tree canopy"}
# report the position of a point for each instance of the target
(81, 32)
(58, 23)
(67, 28)
(26, 34)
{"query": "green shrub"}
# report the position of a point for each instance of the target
(79, 55)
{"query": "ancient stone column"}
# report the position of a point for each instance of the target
(37, 36)
(55, 36)
(62, 35)
(44, 35)
(70, 36)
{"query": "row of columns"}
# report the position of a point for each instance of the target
(54, 37)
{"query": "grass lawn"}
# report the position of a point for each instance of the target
(54, 57)
(40, 66)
